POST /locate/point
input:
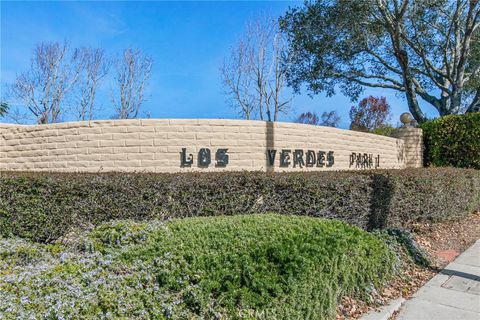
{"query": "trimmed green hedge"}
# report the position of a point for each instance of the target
(453, 141)
(46, 206)
(243, 267)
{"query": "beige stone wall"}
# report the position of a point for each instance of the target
(413, 139)
(154, 145)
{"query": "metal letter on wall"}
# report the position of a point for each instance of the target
(298, 158)
(285, 157)
(377, 161)
(271, 153)
(365, 160)
(204, 157)
(321, 159)
(353, 157)
(359, 160)
(222, 157)
(311, 158)
(184, 160)
(370, 160)
(330, 159)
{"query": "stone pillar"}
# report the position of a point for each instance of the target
(413, 142)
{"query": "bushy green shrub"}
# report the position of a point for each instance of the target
(246, 266)
(434, 194)
(386, 130)
(453, 140)
(45, 206)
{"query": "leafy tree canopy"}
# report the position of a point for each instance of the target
(371, 114)
(426, 49)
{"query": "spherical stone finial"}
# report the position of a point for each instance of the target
(406, 118)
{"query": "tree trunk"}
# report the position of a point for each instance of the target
(475, 105)
(410, 93)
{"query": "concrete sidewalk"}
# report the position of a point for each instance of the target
(452, 294)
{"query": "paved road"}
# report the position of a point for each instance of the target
(452, 294)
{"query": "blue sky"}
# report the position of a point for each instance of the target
(187, 41)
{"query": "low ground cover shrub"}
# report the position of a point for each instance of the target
(46, 206)
(245, 266)
(453, 140)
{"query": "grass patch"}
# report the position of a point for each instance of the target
(246, 266)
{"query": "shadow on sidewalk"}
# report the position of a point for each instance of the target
(460, 274)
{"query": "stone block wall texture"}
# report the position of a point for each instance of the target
(413, 138)
(154, 145)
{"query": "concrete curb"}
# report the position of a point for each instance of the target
(384, 312)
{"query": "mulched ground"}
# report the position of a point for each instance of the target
(442, 242)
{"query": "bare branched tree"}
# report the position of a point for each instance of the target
(132, 74)
(18, 115)
(327, 119)
(236, 76)
(94, 67)
(254, 74)
(43, 88)
(275, 100)
(330, 119)
(308, 118)
(259, 33)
